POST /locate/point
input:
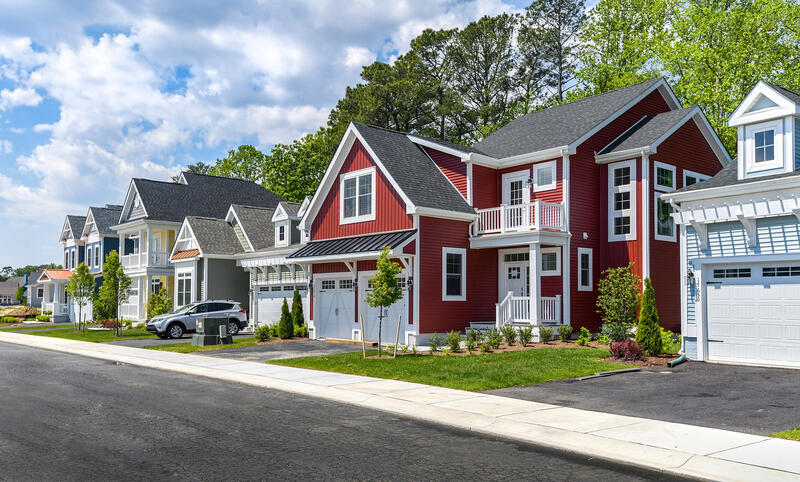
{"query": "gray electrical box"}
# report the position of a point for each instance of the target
(209, 330)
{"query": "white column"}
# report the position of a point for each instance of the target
(144, 294)
(149, 246)
(535, 263)
(565, 283)
(141, 247)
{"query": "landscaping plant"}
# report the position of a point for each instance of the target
(670, 343)
(386, 289)
(648, 334)
(603, 339)
(495, 338)
(435, 342)
(453, 340)
(618, 295)
(286, 324)
(510, 334)
(301, 331)
(116, 287)
(617, 331)
(525, 335)
(8, 319)
(486, 347)
(43, 318)
(545, 334)
(20, 295)
(80, 289)
(158, 304)
(297, 309)
(470, 344)
(626, 350)
(263, 333)
(564, 332)
(476, 336)
(584, 337)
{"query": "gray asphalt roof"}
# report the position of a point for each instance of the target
(558, 125)
(291, 208)
(648, 130)
(451, 145)
(257, 225)
(106, 217)
(76, 224)
(9, 286)
(417, 176)
(357, 244)
(790, 94)
(729, 176)
(214, 236)
(207, 196)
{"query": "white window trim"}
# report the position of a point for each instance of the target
(557, 271)
(40, 292)
(661, 237)
(660, 187)
(510, 177)
(541, 166)
(285, 241)
(191, 278)
(582, 287)
(463, 253)
(631, 212)
(350, 175)
(700, 177)
(750, 146)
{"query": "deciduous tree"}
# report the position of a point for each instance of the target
(80, 289)
(386, 289)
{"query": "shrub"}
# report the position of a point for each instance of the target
(617, 331)
(453, 340)
(564, 332)
(43, 318)
(510, 334)
(470, 345)
(297, 309)
(8, 319)
(301, 331)
(545, 334)
(286, 324)
(525, 335)
(670, 343)
(618, 294)
(263, 333)
(648, 334)
(626, 350)
(435, 342)
(48, 312)
(495, 338)
(476, 336)
(584, 337)
(486, 347)
(158, 304)
(403, 348)
(413, 349)
(603, 339)
(446, 351)
(128, 325)
(110, 324)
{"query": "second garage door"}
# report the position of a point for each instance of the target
(270, 301)
(754, 315)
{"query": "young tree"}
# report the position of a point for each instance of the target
(158, 304)
(80, 288)
(116, 287)
(20, 295)
(648, 334)
(297, 309)
(386, 289)
(619, 291)
(285, 325)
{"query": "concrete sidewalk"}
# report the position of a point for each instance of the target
(672, 448)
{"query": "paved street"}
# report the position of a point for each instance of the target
(68, 417)
(755, 400)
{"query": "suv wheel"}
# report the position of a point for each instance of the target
(233, 328)
(175, 330)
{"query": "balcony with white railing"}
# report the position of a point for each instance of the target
(155, 259)
(517, 310)
(537, 215)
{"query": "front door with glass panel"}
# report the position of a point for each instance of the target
(517, 278)
(516, 193)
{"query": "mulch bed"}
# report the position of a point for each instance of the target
(647, 361)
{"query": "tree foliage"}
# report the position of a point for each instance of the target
(297, 309)
(158, 304)
(618, 294)
(648, 333)
(386, 289)
(116, 287)
(20, 295)
(286, 324)
(80, 289)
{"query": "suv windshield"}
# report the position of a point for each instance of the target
(183, 309)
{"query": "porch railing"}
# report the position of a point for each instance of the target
(56, 308)
(129, 311)
(516, 309)
(520, 217)
(155, 259)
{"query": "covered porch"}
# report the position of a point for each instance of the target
(55, 299)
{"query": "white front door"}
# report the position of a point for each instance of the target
(515, 193)
(517, 278)
(754, 318)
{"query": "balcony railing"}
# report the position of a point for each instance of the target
(520, 217)
(158, 259)
(516, 309)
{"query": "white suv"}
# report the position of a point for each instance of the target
(184, 319)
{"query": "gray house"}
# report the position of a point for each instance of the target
(34, 291)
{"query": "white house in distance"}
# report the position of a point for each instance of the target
(740, 241)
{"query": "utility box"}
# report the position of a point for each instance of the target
(208, 331)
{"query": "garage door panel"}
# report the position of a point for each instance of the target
(335, 309)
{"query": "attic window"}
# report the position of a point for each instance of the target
(765, 145)
(357, 199)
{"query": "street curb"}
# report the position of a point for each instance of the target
(452, 408)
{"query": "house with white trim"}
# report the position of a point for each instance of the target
(740, 241)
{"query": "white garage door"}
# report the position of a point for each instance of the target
(270, 301)
(754, 315)
(334, 308)
(389, 325)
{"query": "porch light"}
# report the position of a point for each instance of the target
(355, 285)
(689, 276)
(410, 282)
(529, 183)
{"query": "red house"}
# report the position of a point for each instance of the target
(515, 229)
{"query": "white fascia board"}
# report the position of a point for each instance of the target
(785, 107)
(754, 187)
(232, 212)
(544, 155)
(433, 145)
(522, 238)
(662, 86)
(279, 214)
(337, 257)
(623, 155)
(184, 227)
(442, 213)
(64, 229)
(89, 220)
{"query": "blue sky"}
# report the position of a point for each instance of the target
(99, 94)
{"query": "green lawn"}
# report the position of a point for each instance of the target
(188, 348)
(793, 434)
(94, 336)
(30, 327)
(475, 372)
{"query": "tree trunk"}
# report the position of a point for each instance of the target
(363, 337)
(380, 327)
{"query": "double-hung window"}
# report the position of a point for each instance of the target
(622, 201)
(544, 176)
(281, 234)
(664, 181)
(184, 290)
(690, 177)
(357, 199)
(551, 262)
(585, 269)
(454, 274)
(97, 256)
(764, 142)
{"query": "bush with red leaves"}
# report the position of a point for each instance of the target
(626, 350)
(110, 324)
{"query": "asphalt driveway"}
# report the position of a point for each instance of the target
(746, 399)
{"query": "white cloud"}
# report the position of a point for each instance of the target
(6, 147)
(18, 97)
(357, 57)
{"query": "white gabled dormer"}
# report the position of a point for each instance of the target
(186, 240)
(768, 140)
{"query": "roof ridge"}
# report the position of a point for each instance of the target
(214, 176)
(782, 87)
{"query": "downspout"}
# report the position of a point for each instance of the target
(682, 353)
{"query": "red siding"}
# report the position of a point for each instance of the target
(685, 149)
(390, 210)
(452, 167)
(589, 211)
(442, 316)
(550, 196)
(485, 182)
